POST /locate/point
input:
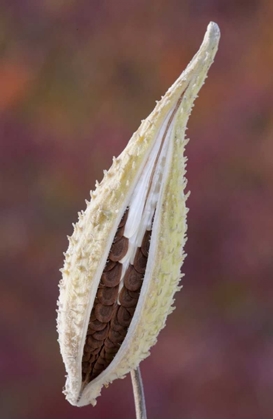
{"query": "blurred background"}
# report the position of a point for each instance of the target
(76, 78)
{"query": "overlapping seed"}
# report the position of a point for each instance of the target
(109, 320)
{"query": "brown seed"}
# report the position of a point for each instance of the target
(98, 368)
(131, 310)
(95, 325)
(109, 265)
(109, 357)
(102, 353)
(123, 316)
(119, 233)
(113, 351)
(93, 358)
(103, 358)
(117, 336)
(98, 365)
(115, 325)
(119, 249)
(96, 351)
(107, 295)
(88, 350)
(110, 345)
(92, 342)
(86, 357)
(93, 316)
(134, 294)
(140, 262)
(132, 279)
(85, 366)
(101, 335)
(112, 278)
(127, 300)
(104, 313)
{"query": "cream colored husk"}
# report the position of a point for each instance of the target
(93, 234)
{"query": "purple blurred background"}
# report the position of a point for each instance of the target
(76, 78)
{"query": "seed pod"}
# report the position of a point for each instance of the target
(122, 266)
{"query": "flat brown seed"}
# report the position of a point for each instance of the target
(123, 316)
(119, 233)
(93, 316)
(104, 313)
(126, 300)
(85, 366)
(91, 351)
(96, 351)
(95, 325)
(116, 336)
(112, 278)
(103, 352)
(92, 342)
(100, 361)
(132, 279)
(109, 265)
(109, 357)
(107, 295)
(110, 345)
(119, 249)
(131, 310)
(87, 349)
(146, 243)
(93, 358)
(113, 351)
(98, 368)
(135, 294)
(101, 335)
(140, 262)
(86, 357)
(115, 325)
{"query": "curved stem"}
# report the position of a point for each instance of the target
(138, 392)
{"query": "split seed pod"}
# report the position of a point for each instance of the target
(122, 266)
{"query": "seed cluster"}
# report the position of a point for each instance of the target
(110, 320)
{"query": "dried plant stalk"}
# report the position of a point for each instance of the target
(122, 266)
(138, 392)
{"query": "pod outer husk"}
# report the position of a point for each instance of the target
(94, 232)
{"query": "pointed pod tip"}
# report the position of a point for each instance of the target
(213, 32)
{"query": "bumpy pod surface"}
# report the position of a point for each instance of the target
(122, 266)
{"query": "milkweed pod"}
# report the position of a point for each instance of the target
(122, 266)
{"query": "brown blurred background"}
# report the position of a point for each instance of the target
(76, 78)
